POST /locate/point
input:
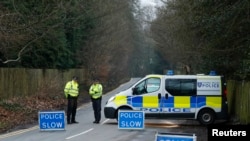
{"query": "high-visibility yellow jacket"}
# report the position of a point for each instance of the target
(95, 91)
(72, 89)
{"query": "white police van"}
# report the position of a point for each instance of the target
(200, 97)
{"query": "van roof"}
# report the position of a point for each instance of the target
(183, 76)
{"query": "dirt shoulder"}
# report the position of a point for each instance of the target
(21, 113)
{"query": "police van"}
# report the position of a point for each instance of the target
(200, 97)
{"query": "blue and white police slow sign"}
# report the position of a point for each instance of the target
(128, 119)
(52, 120)
(175, 137)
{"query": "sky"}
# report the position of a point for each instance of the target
(148, 3)
(151, 2)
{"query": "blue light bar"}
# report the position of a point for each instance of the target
(213, 73)
(170, 72)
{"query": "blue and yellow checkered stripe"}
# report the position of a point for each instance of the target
(171, 102)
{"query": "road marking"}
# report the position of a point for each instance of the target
(79, 134)
(18, 132)
(105, 121)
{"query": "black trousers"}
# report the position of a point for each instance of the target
(71, 109)
(96, 104)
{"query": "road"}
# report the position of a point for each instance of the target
(107, 130)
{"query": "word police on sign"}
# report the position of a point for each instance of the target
(52, 120)
(175, 137)
(131, 119)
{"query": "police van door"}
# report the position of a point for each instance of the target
(179, 100)
(145, 96)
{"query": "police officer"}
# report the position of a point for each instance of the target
(95, 91)
(71, 92)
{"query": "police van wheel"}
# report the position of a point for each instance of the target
(206, 117)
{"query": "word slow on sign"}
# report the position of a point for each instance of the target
(52, 120)
(131, 119)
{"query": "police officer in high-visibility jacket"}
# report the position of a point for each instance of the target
(95, 91)
(71, 92)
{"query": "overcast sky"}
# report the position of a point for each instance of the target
(148, 2)
(151, 2)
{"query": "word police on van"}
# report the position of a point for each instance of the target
(200, 97)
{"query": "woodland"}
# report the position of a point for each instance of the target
(122, 38)
(118, 39)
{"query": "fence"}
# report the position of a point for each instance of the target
(24, 82)
(239, 100)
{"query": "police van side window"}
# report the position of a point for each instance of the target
(147, 86)
(181, 87)
(139, 88)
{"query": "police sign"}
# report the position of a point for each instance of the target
(52, 120)
(131, 119)
(175, 137)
